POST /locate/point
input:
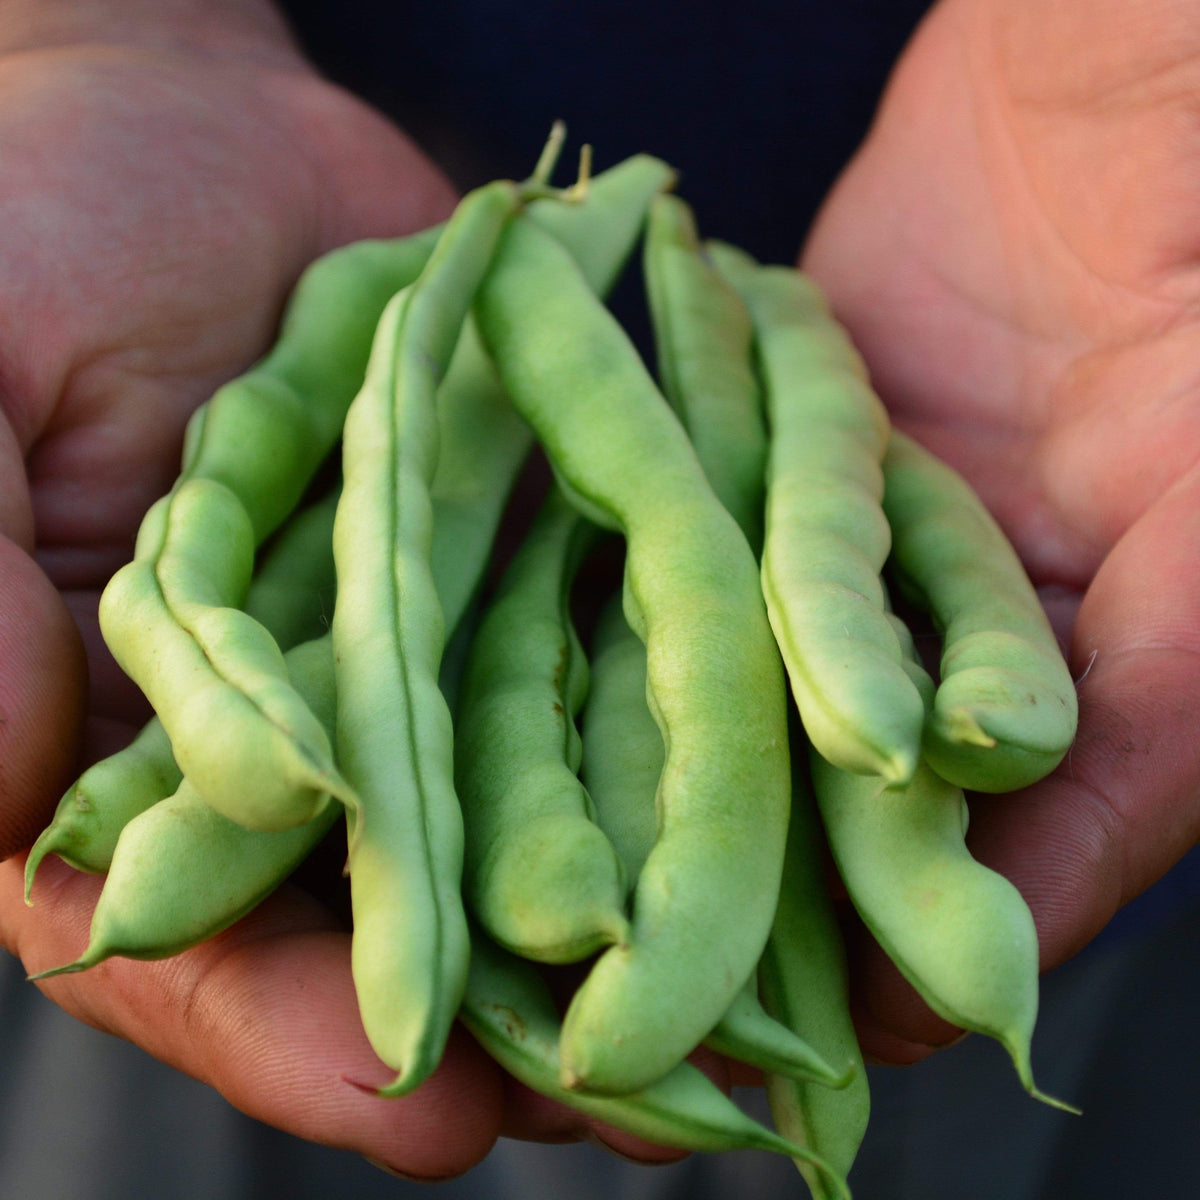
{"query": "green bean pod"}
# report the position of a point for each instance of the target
(958, 931)
(395, 743)
(89, 818)
(624, 750)
(703, 340)
(294, 585)
(704, 902)
(482, 440)
(290, 594)
(826, 534)
(181, 872)
(803, 984)
(508, 1009)
(214, 675)
(539, 874)
(1005, 710)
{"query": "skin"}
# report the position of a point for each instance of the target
(1014, 250)
(191, 100)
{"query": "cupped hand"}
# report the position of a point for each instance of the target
(1015, 251)
(159, 198)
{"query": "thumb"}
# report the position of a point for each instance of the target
(43, 670)
(1122, 809)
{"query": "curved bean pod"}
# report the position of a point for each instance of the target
(181, 872)
(509, 1011)
(265, 433)
(214, 675)
(706, 895)
(826, 534)
(624, 751)
(89, 818)
(262, 436)
(539, 874)
(290, 594)
(395, 744)
(1005, 710)
(959, 932)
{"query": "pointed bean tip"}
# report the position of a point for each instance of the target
(960, 726)
(1053, 1101)
(898, 770)
(31, 865)
(80, 964)
(1020, 1057)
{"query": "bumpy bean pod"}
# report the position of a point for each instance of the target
(703, 340)
(959, 932)
(624, 749)
(265, 433)
(1005, 710)
(291, 594)
(539, 874)
(214, 676)
(410, 945)
(706, 895)
(181, 872)
(826, 535)
(509, 1010)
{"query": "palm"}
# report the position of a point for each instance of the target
(1015, 251)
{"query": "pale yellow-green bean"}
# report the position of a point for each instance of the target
(826, 535)
(1005, 710)
(395, 741)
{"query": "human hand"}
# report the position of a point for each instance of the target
(1014, 249)
(165, 182)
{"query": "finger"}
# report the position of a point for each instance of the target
(894, 1025)
(43, 684)
(266, 1014)
(1125, 805)
(532, 1117)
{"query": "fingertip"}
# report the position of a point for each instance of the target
(43, 687)
(894, 1023)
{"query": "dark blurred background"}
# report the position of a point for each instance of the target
(757, 103)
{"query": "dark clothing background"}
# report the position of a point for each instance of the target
(758, 103)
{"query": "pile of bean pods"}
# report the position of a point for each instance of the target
(320, 619)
